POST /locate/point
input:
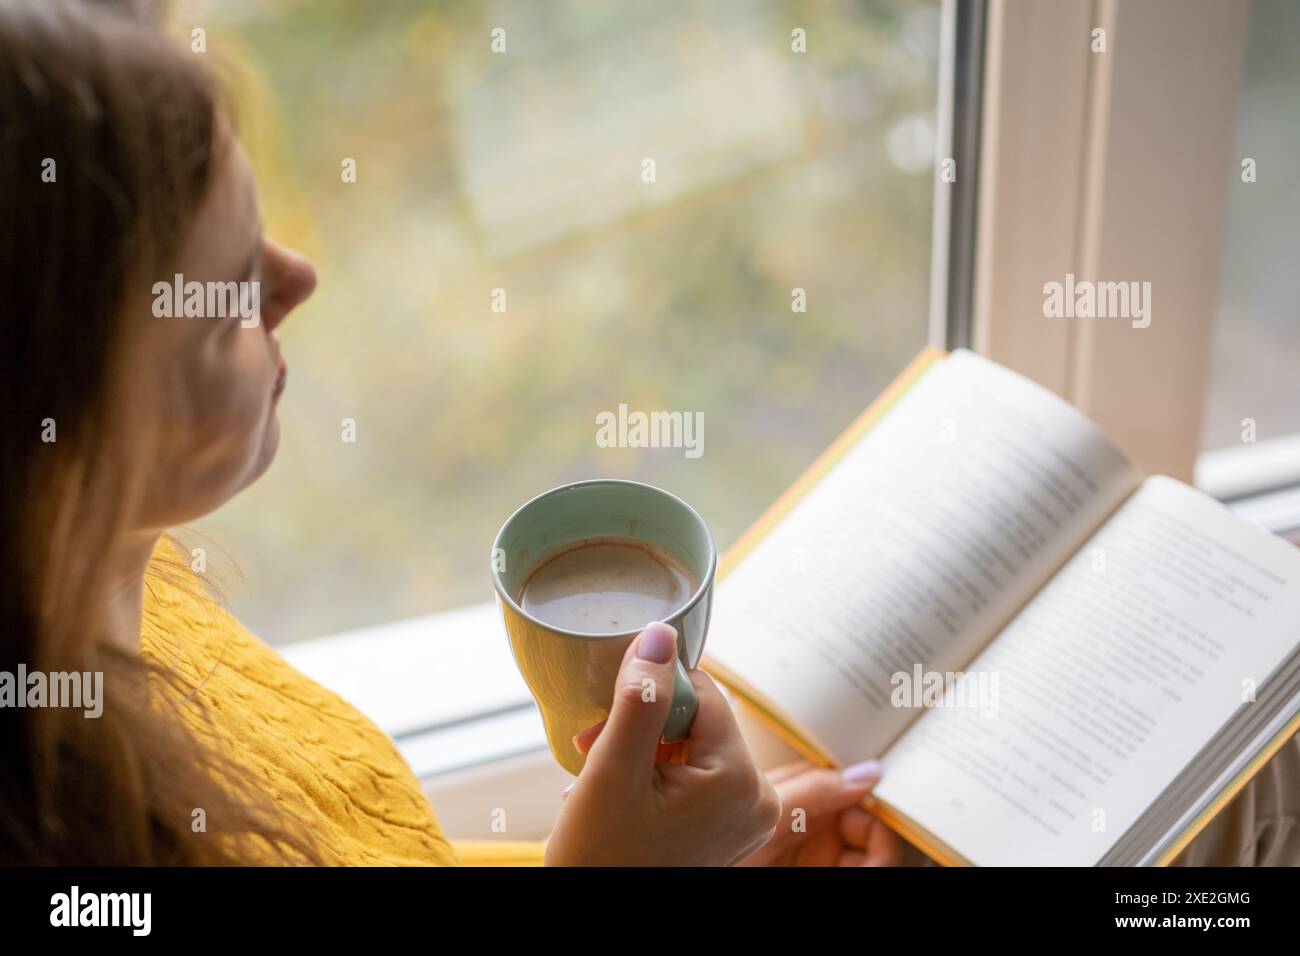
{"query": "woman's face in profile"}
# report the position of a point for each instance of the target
(207, 386)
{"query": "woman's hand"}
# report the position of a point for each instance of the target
(711, 806)
(822, 822)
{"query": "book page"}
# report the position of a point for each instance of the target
(914, 550)
(1109, 682)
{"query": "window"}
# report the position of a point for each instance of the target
(1113, 146)
(718, 208)
(1105, 150)
(1252, 409)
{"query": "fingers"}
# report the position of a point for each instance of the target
(628, 742)
(584, 740)
(788, 770)
(855, 826)
(820, 792)
(707, 718)
(715, 734)
(674, 752)
(666, 753)
(869, 841)
(884, 846)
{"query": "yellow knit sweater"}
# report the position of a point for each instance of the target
(315, 754)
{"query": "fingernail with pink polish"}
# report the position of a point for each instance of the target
(656, 643)
(868, 771)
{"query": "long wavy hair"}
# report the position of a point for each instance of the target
(109, 135)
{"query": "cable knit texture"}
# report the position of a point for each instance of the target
(316, 755)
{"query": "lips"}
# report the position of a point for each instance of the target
(281, 368)
(280, 376)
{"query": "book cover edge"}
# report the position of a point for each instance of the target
(772, 715)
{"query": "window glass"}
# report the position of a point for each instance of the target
(720, 209)
(1254, 388)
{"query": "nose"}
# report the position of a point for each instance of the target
(291, 278)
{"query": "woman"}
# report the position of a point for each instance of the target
(117, 172)
(127, 416)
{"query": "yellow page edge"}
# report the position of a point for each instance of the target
(766, 709)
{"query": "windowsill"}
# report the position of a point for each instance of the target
(1260, 481)
(444, 686)
(1250, 469)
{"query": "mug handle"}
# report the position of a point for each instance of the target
(685, 704)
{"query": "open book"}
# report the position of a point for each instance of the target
(1057, 661)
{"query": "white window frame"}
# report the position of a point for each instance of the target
(1110, 166)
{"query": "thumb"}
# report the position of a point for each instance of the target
(643, 696)
(822, 791)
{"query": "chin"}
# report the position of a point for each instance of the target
(204, 486)
(259, 457)
(269, 445)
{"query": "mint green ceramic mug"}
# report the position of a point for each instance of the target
(571, 674)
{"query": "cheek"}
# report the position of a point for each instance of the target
(231, 387)
(230, 430)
